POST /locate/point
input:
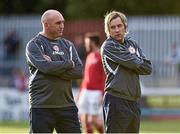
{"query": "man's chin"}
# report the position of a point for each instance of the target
(118, 38)
(60, 34)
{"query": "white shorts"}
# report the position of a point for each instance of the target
(90, 102)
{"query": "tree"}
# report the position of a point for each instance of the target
(9, 7)
(92, 9)
(97, 8)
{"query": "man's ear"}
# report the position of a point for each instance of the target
(46, 25)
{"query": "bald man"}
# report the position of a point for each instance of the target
(53, 63)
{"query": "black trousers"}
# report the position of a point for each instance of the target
(63, 120)
(120, 115)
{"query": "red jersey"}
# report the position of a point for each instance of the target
(94, 76)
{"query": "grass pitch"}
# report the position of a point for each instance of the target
(165, 126)
(14, 127)
(147, 126)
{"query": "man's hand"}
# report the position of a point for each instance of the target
(47, 58)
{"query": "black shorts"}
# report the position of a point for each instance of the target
(120, 115)
(63, 120)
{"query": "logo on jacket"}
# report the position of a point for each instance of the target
(132, 50)
(56, 50)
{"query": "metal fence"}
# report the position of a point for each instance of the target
(155, 34)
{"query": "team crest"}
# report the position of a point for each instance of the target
(56, 51)
(56, 48)
(132, 50)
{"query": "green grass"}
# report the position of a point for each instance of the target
(147, 126)
(14, 127)
(164, 126)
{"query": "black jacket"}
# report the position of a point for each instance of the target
(123, 64)
(50, 82)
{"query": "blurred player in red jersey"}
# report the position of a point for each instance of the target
(92, 86)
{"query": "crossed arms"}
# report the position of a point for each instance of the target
(67, 69)
(121, 56)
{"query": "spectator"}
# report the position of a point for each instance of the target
(79, 42)
(174, 59)
(11, 45)
(19, 80)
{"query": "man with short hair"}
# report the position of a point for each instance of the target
(123, 62)
(53, 63)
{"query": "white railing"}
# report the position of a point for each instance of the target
(161, 91)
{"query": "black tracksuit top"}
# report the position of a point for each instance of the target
(50, 82)
(123, 63)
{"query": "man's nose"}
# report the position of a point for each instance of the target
(61, 25)
(116, 29)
